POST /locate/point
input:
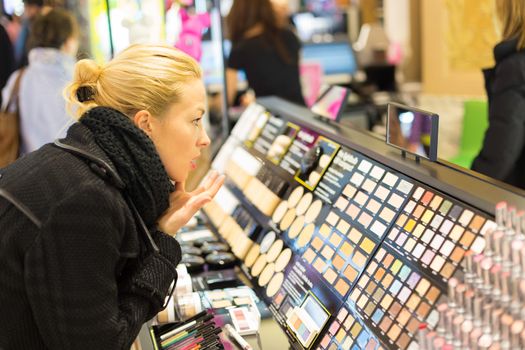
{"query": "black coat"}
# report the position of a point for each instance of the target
(503, 154)
(62, 268)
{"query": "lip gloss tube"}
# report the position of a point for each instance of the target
(515, 331)
(486, 265)
(469, 305)
(496, 324)
(468, 264)
(495, 272)
(487, 313)
(452, 285)
(466, 329)
(497, 242)
(474, 338)
(456, 324)
(449, 326)
(441, 328)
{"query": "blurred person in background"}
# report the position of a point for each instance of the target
(32, 8)
(503, 153)
(54, 42)
(8, 59)
(265, 48)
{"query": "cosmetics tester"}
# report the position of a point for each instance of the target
(350, 244)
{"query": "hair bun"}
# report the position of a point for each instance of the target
(87, 72)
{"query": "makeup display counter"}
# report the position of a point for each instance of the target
(349, 244)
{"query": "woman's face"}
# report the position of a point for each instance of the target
(179, 135)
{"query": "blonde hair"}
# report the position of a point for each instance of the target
(142, 77)
(511, 14)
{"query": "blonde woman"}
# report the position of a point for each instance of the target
(86, 253)
(503, 154)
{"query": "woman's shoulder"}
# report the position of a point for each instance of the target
(510, 73)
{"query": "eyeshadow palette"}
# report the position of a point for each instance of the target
(372, 197)
(435, 231)
(339, 252)
(347, 332)
(337, 175)
(282, 142)
(315, 162)
(395, 297)
(304, 141)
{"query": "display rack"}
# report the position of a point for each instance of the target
(350, 244)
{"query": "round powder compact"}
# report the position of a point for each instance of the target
(304, 203)
(200, 241)
(208, 248)
(275, 284)
(283, 260)
(296, 227)
(252, 255)
(279, 212)
(314, 177)
(193, 263)
(306, 235)
(313, 211)
(295, 196)
(287, 219)
(220, 260)
(274, 251)
(324, 161)
(259, 265)
(266, 274)
(267, 241)
(190, 249)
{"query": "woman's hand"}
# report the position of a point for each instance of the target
(183, 205)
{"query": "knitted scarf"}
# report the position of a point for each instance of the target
(135, 158)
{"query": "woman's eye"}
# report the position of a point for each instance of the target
(196, 121)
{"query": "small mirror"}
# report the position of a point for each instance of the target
(331, 102)
(412, 130)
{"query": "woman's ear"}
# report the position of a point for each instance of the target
(144, 121)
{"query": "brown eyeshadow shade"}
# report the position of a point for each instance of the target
(385, 324)
(388, 260)
(371, 287)
(413, 325)
(370, 309)
(467, 239)
(342, 287)
(403, 317)
(423, 310)
(419, 210)
(457, 254)
(378, 295)
(379, 274)
(448, 270)
(394, 332)
(394, 309)
(403, 341)
(350, 273)
(338, 262)
(476, 224)
(433, 294)
(387, 281)
(413, 301)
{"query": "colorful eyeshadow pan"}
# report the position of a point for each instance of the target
(349, 332)
(395, 297)
(429, 229)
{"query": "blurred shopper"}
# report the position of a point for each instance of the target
(32, 8)
(503, 154)
(8, 60)
(265, 49)
(51, 61)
